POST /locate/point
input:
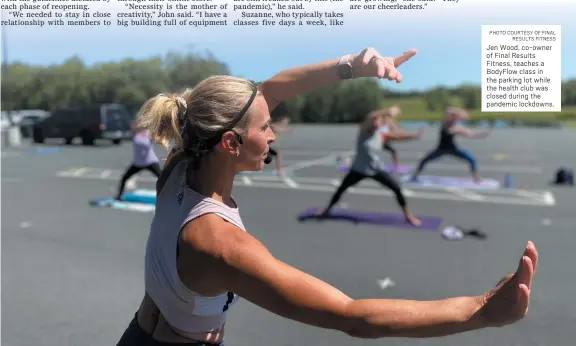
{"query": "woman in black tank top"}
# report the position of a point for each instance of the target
(447, 146)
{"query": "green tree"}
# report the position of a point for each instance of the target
(437, 99)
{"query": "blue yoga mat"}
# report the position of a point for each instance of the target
(130, 197)
(109, 202)
(143, 196)
(429, 223)
(45, 150)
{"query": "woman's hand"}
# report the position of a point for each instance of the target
(508, 302)
(369, 63)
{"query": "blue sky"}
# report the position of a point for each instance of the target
(449, 47)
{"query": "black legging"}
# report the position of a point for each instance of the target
(353, 178)
(154, 168)
(386, 146)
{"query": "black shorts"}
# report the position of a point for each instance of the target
(136, 336)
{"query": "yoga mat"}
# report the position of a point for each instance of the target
(140, 196)
(387, 168)
(437, 181)
(110, 202)
(398, 169)
(429, 223)
(45, 150)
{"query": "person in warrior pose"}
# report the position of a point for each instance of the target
(447, 146)
(143, 158)
(367, 164)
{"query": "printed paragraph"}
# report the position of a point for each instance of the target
(521, 68)
(197, 13)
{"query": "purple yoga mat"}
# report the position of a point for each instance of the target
(387, 168)
(429, 223)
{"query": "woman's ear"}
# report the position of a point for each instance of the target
(231, 142)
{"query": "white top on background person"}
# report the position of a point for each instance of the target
(222, 127)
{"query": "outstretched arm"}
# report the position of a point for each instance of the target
(300, 80)
(397, 133)
(400, 136)
(242, 265)
(462, 131)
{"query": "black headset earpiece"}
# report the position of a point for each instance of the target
(238, 138)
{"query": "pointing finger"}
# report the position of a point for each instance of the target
(407, 55)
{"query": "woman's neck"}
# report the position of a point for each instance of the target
(212, 179)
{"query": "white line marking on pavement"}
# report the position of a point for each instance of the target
(503, 196)
(549, 198)
(408, 193)
(314, 162)
(466, 194)
(291, 183)
(464, 168)
(415, 154)
(105, 174)
(79, 171)
(25, 224)
(385, 283)
(131, 184)
(423, 194)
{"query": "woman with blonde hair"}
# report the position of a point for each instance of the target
(200, 258)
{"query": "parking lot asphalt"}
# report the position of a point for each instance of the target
(72, 274)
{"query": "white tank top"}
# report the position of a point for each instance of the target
(184, 309)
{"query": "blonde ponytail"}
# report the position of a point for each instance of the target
(162, 115)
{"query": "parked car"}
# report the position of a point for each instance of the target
(27, 124)
(104, 121)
